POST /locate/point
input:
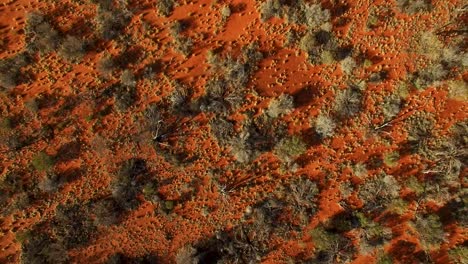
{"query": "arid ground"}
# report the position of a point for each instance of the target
(243, 131)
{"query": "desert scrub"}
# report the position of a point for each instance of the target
(315, 15)
(111, 22)
(459, 255)
(128, 78)
(415, 6)
(430, 229)
(391, 159)
(72, 49)
(269, 9)
(377, 193)
(225, 12)
(280, 106)
(324, 126)
(373, 233)
(330, 246)
(183, 45)
(106, 65)
(129, 182)
(10, 70)
(290, 147)
(72, 225)
(42, 162)
(165, 7)
(391, 106)
(348, 102)
(40, 35)
(41, 248)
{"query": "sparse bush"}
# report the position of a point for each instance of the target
(415, 6)
(40, 35)
(458, 255)
(291, 38)
(50, 183)
(290, 148)
(391, 106)
(221, 97)
(112, 22)
(307, 43)
(269, 9)
(348, 102)
(280, 106)
(129, 183)
(177, 27)
(41, 248)
(165, 7)
(72, 49)
(225, 12)
(128, 78)
(106, 212)
(186, 255)
(125, 97)
(106, 65)
(330, 246)
(183, 45)
(72, 226)
(430, 229)
(377, 193)
(10, 70)
(315, 15)
(42, 162)
(324, 126)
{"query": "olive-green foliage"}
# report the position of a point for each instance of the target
(42, 162)
(459, 255)
(290, 147)
(379, 192)
(430, 229)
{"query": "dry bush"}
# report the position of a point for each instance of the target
(184, 45)
(128, 78)
(430, 229)
(315, 15)
(348, 102)
(112, 22)
(280, 106)
(415, 6)
(165, 7)
(10, 71)
(106, 65)
(269, 9)
(324, 126)
(377, 193)
(40, 35)
(72, 49)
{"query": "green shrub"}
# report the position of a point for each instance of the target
(431, 231)
(42, 162)
(290, 147)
